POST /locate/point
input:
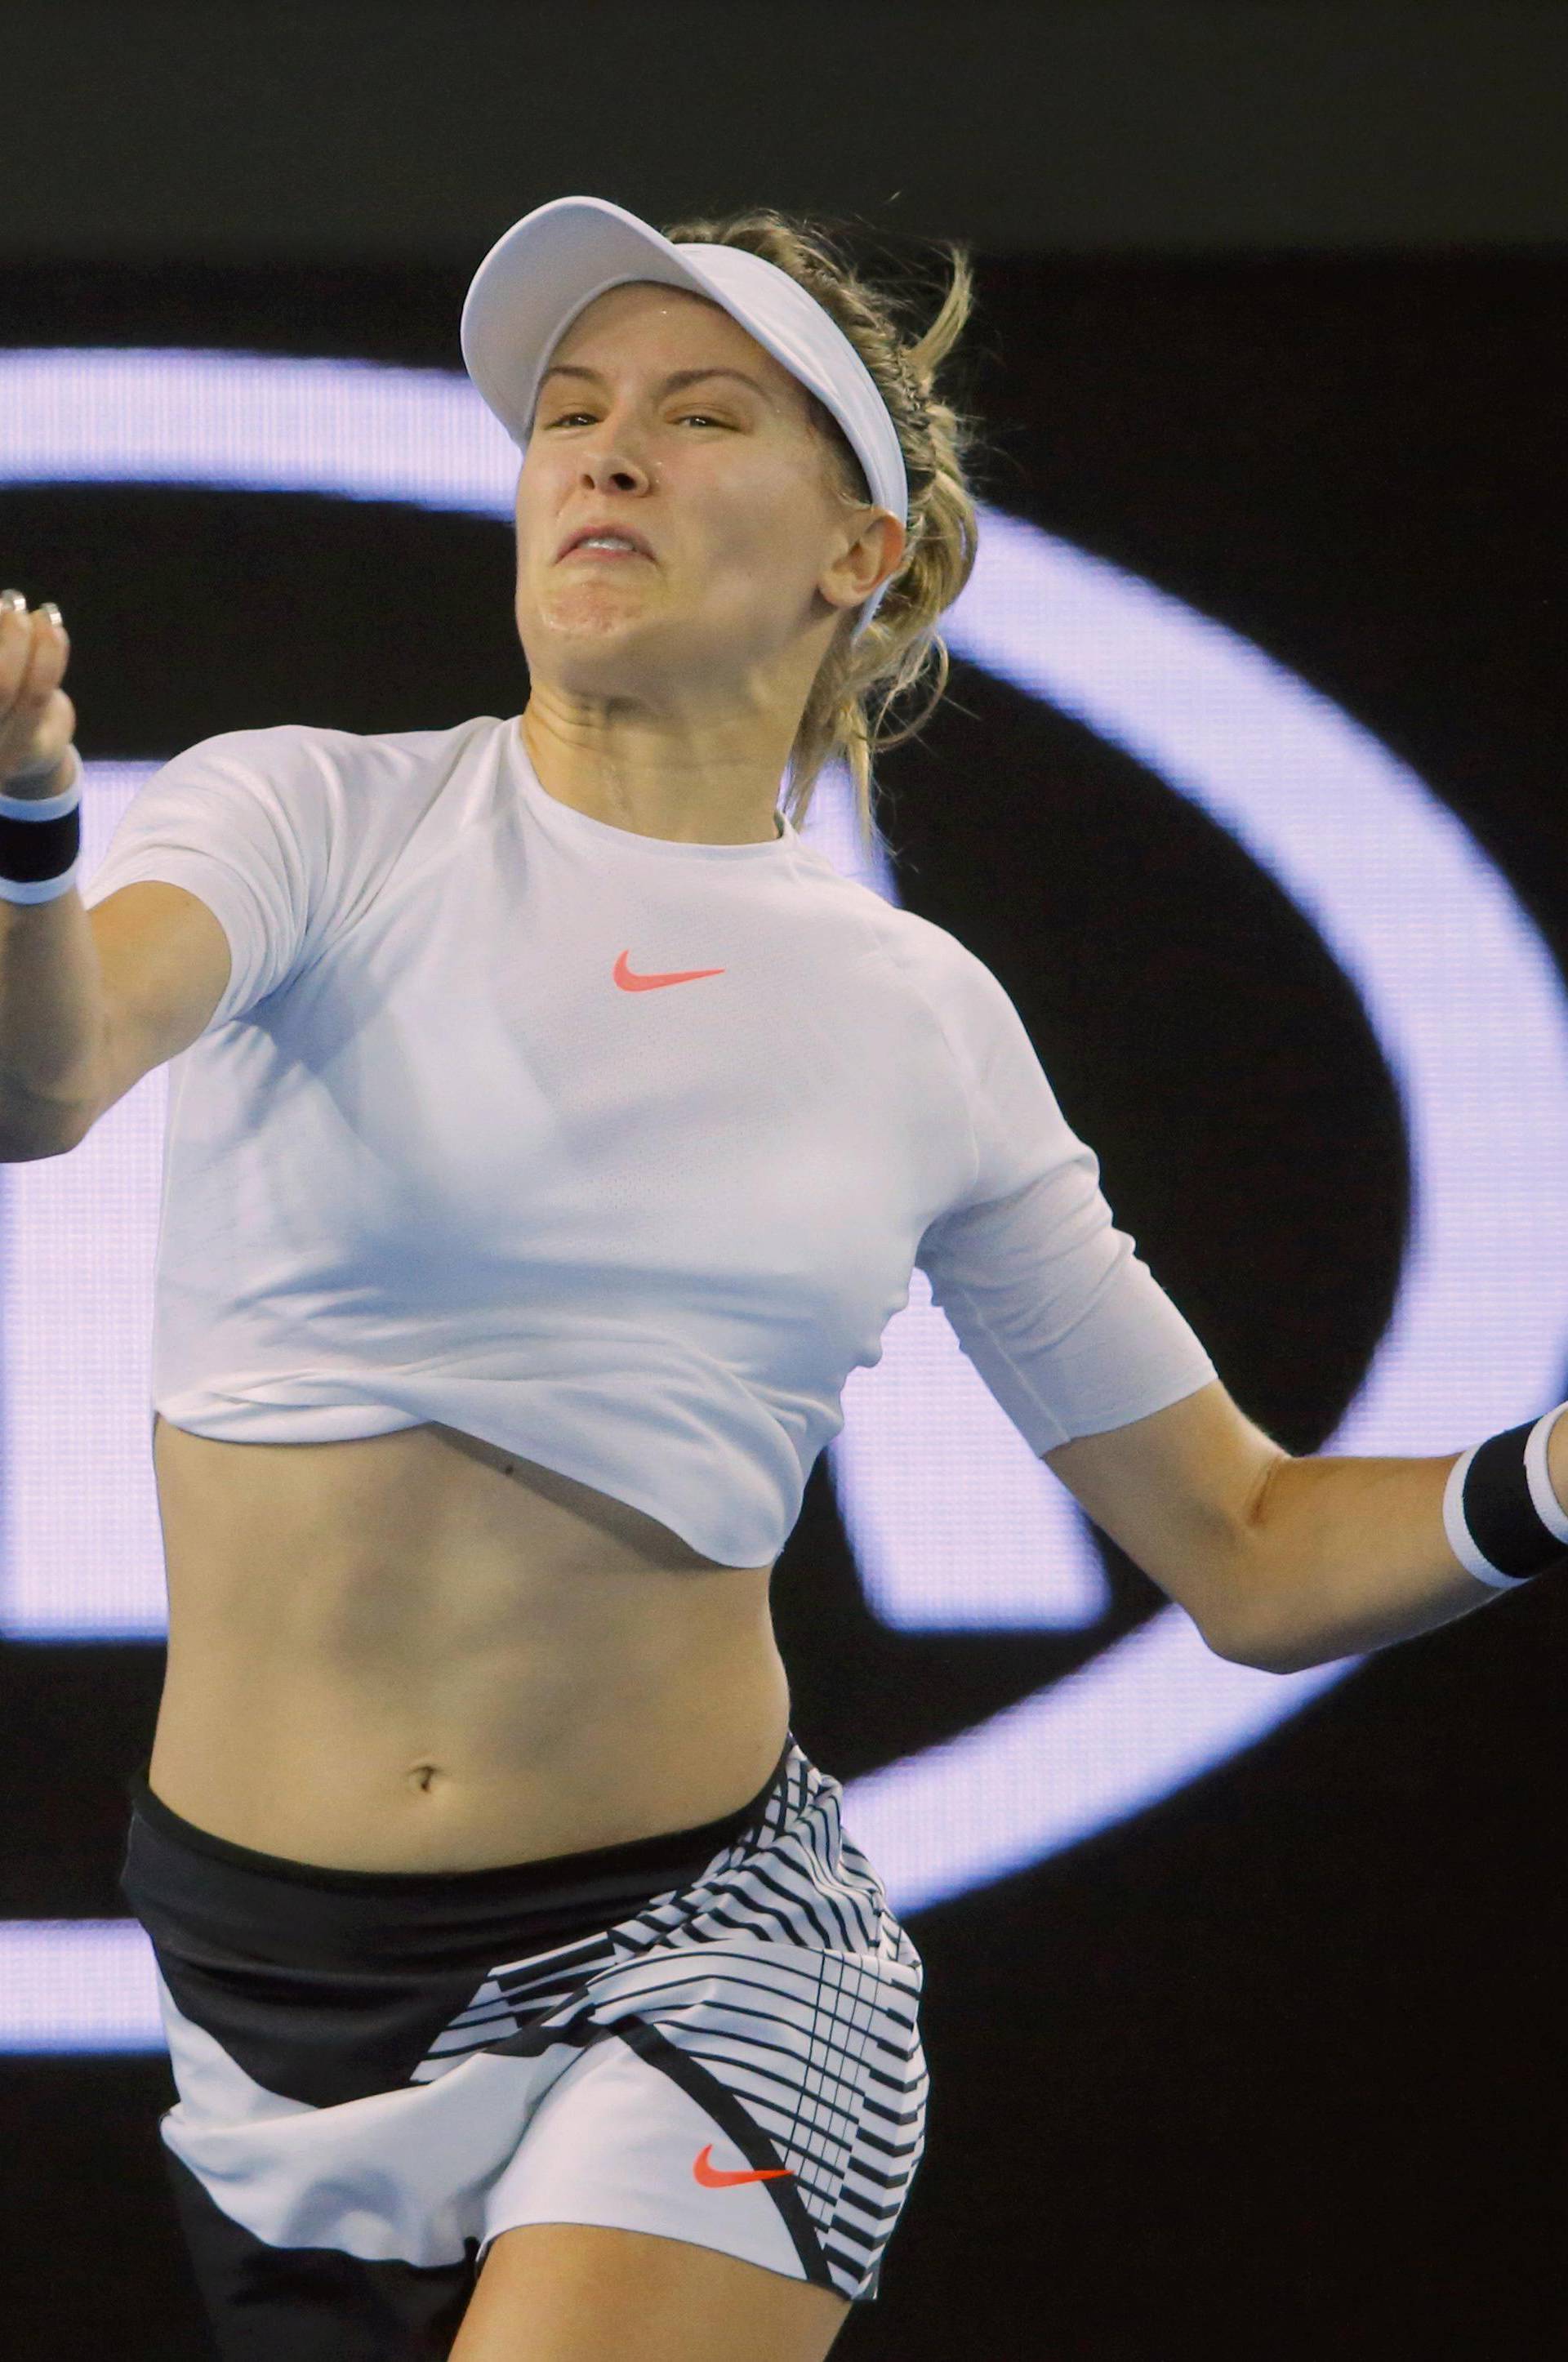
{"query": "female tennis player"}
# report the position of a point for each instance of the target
(550, 1133)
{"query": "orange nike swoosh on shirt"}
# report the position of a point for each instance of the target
(630, 983)
(714, 2177)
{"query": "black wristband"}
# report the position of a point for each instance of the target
(32, 851)
(1504, 1521)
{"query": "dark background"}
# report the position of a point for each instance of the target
(1276, 2065)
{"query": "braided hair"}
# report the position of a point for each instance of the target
(859, 680)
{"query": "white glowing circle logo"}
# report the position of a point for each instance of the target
(955, 1524)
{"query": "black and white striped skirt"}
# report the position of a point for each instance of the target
(712, 2036)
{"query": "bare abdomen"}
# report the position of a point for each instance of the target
(415, 1651)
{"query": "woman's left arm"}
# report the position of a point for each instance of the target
(1281, 1561)
(1350, 1554)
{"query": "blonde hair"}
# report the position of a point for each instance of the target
(900, 647)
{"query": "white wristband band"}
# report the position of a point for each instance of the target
(45, 807)
(1548, 1508)
(41, 890)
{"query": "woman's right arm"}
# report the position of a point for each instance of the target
(89, 1001)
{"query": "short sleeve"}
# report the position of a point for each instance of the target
(1061, 1318)
(239, 820)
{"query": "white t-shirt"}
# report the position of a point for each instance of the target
(439, 1156)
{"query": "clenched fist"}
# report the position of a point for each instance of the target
(38, 721)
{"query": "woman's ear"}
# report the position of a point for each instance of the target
(874, 555)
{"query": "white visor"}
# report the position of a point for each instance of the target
(548, 266)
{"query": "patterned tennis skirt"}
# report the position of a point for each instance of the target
(712, 2036)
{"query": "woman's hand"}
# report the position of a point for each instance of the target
(38, 721)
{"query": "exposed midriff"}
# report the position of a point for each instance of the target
(418, 1651)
